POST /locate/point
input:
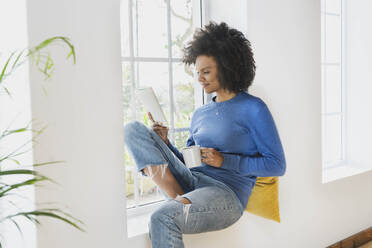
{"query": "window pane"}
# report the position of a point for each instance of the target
(150, 28)
(127, 92)
(156, 75)
(148, 191)
(332, 138)
(184, 99)
(333, 6)
(333, 39)
(322, 5)
(129, 111)
(180, 139)
(150, 39)
(146, 74)
(333, 89)
(124, 25)
(129, 168)
(182, 27)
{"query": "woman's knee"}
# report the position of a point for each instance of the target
(133, 128)
(169, 209)
(159, 217)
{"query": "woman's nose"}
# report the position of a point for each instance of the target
(201, 79)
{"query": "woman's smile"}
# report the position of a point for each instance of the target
(207, 72)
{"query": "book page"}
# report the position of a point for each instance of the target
(150, 101)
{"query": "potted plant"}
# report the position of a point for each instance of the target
(40, 58)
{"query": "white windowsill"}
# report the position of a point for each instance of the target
(138, 225)
(343, 170)
(138, 219)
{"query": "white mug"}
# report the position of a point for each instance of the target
(192, 156)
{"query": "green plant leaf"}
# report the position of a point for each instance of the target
(26, 172)
(7, 92)
(15, 63)
(49, 213)
(5, 67)
(19, 172)
(14, 154)
(9, 132)
(47, 42)
(22, 184)
(44, 62)
(18, 227)
(36, 55)
(46, 163)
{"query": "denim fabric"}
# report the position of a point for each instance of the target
(214, 206)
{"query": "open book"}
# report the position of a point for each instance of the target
(150, 101)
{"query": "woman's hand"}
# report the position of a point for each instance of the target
(161, 130)
(211, 157)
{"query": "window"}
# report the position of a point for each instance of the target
(345, 94)
(333, 83)
(153, 35)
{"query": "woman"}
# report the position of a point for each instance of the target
(237, 135)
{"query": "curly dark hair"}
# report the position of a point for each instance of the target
(231, 51)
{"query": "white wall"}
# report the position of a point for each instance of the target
(84, 110)
(15, 112)
(359, 78)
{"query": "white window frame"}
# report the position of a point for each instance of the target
(324, 64)
(143, 210)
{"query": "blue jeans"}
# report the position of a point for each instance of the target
(214, 206)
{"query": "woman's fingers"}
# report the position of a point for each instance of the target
(204, 152)
(161, 131)
(207, 152)
(156, 127)
(150, 116)
(153, 121)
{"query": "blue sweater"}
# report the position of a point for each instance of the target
(244, 131)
